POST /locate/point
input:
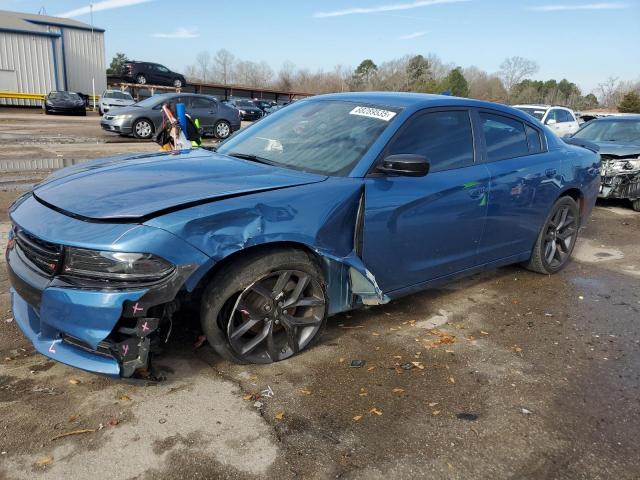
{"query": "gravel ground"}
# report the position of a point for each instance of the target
(516, 375)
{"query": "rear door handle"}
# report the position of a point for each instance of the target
(550, 172)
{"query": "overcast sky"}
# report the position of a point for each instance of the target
(584, 41)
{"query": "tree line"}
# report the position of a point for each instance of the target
(512, 84)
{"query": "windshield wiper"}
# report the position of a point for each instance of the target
(249, 156)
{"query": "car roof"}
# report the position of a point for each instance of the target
(416, 101)
(614, 118)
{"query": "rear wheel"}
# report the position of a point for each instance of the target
(177, 83)
(265, 308)
(143, 128)
(557, 238)
(141, 79)
(222, 129)
(636, 204)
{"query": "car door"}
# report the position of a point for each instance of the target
(572, 123)
(525, 181)
(552, 120)
(205, 110)
(161, 74)
(420, 228)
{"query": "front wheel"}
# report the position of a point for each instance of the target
(143, 129)
(265, 308)
(177, 83)
(141, 79)
(222, 129)
(557, 238)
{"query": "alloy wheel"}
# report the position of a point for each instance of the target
(177, 83)
(141, 79)
(276, 316)
(560, 236)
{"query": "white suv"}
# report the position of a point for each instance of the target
(561, 120)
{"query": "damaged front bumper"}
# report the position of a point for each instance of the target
(107, 328)
(620, 178)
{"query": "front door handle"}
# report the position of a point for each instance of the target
(550, 172)
(476, 193)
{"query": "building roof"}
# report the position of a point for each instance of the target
(38, 24)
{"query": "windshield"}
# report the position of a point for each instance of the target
(627, 131)
(117, 95)
(534, 112)
(327, 137)
(64, 96)
(245, 103)
(150, 102)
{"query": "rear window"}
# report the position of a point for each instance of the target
(504, 137)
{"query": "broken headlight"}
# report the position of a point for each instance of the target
(623, 165)
(117, 266)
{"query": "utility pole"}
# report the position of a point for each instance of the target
(93, 70)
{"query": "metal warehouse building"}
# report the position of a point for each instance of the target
(39, 53)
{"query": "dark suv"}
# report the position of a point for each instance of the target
(153, 73)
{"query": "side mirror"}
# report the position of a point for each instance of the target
(551, 121)
(404, 164)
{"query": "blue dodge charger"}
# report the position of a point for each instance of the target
(332, 203)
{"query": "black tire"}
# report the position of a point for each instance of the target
(141, 79)
(635, 204)
(231, 288)
(143, 128)
(222, 129)
(177, 83)
(557, 238)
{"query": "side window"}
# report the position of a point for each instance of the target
(162, 69)
(504, 137)
(552, 115)
(534, 140)
(199, 102)
(444, 138)
(562, 116)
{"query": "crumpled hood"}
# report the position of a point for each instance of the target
(618, 149)
(130, 188)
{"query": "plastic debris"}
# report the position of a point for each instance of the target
(357, 363)
(258, 404)
(267, 392)
(525, 411)
(407, 366)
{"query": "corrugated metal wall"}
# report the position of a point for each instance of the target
(31, 57)
(84, 59)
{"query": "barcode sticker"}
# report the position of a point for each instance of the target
(378, 113)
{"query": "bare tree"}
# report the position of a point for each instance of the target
(203, 60)
(515, 69)
(224, 60)
(191, 72)
(610, 92)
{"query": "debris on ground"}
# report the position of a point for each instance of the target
(44, 461)
(525, 411)
(357, 418)
(279, 415)
(74, 381)
(357, 363)
(375, 411)
(407, 366)
(304, 391)
(267, 392)
(467, 416)
(76, 432)
(200, 341)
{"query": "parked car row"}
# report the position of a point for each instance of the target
(144, 118)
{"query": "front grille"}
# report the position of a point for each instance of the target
(45, 256)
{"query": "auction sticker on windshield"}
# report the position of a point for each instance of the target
(378, 113)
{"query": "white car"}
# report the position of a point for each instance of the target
(561, 120)
(111, 99)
